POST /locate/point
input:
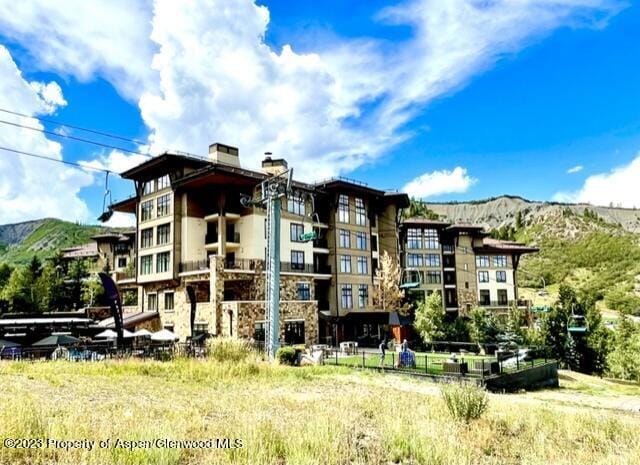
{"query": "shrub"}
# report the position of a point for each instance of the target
(287, 355)
(229, 350)
(464, 401)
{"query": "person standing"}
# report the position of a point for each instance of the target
(383, 352)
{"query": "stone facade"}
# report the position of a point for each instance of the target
(239, 317)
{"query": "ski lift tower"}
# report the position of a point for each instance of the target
(273, 190)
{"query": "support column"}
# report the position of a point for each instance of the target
(216, 291)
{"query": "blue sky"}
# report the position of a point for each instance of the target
(463, 101)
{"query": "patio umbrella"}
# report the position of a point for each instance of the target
(57, 340)
(164, 336)
(142, 333)
(8, 344)
(106, 334)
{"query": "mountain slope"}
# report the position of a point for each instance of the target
(502, 211)
(42, 238)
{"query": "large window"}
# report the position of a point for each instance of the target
(146, 238)
(432, 260)
(501, 276)
(485, 297)
(162, 262)
(415, 260)
(147, 188)
(259, 330)
(294, 331)
(163, 182)
(297, 230)
(343, 209)
(483, 276)
(345, 239)
(482, 261)
(152, 302)
(500, 261)
(304, 291)
(431, 240)
(162, 236)
(432, 277)
(297, 260)
(363, 295)
(146, 210)
(345, 264)
(346, 293)
(146, 264)
(295, 205)
(122, 262)
(362, 265)
(164, 207)
(361, 215)
(168, 301)
(361, 240)
(414, 238)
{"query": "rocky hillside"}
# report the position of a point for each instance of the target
(21, 241)
(502, 211)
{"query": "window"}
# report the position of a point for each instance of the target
(482, 261)
(466, 267)
(297, 260)
(448, 248)
(465, 250)
(294, 331)
(483, 276)
(147, 188)
(502, 297)
(343, 209)
(361, 215)
(414, 238)
(501, 276)
(362, 265)
(152, 302)
(146, 264)
(168, 300)
(345, 239)
(200, 328)
(259, 330)
(304, 291)
(295, 205)
(345, 264)
(347, 296)
(415, 259)
(163, 234)
(146, 210)
(361, 240)
(297, 230)
(363, 295)
(432, 277)
(163, 205)
(162, 262)
(431, 240)
(432, 259)
(146, 238)
(500, 261)
(122, 262)
(485, 297)
(374, 243)
(163, 182)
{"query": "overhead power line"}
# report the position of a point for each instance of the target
(79, 139)
(57, 160)
(73, 126)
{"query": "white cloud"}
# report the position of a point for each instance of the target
(31, 188)
(439, 182)
(215, 79)
(618, 187)
(115, 161)
(575, 169)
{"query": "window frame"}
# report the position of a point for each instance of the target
(343, 209)
(346, 296)
(361, 212)
(294, 226)
(345, 264)
(146, 238)
(149, 259)
(166, 294)
(168, 234)
(168, 262)
(483, 276)
(297, 264)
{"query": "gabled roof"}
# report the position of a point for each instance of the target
(162, 164)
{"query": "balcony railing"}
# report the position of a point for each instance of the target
(195, 265)
(291, 267)
(129, 273)
(321, 244)
(212, 238)
(321, 269)
(244, 264)
(502, 303)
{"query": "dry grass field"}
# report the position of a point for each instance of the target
(286, 415)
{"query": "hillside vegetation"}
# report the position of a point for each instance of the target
(19, 243)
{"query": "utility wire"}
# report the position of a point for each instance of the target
(79, 128)
(57, 160)
(79, 139)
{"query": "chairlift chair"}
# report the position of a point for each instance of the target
(107, 211)
(577, 324)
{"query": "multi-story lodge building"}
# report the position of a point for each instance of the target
(469, 268)
(193, 230)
